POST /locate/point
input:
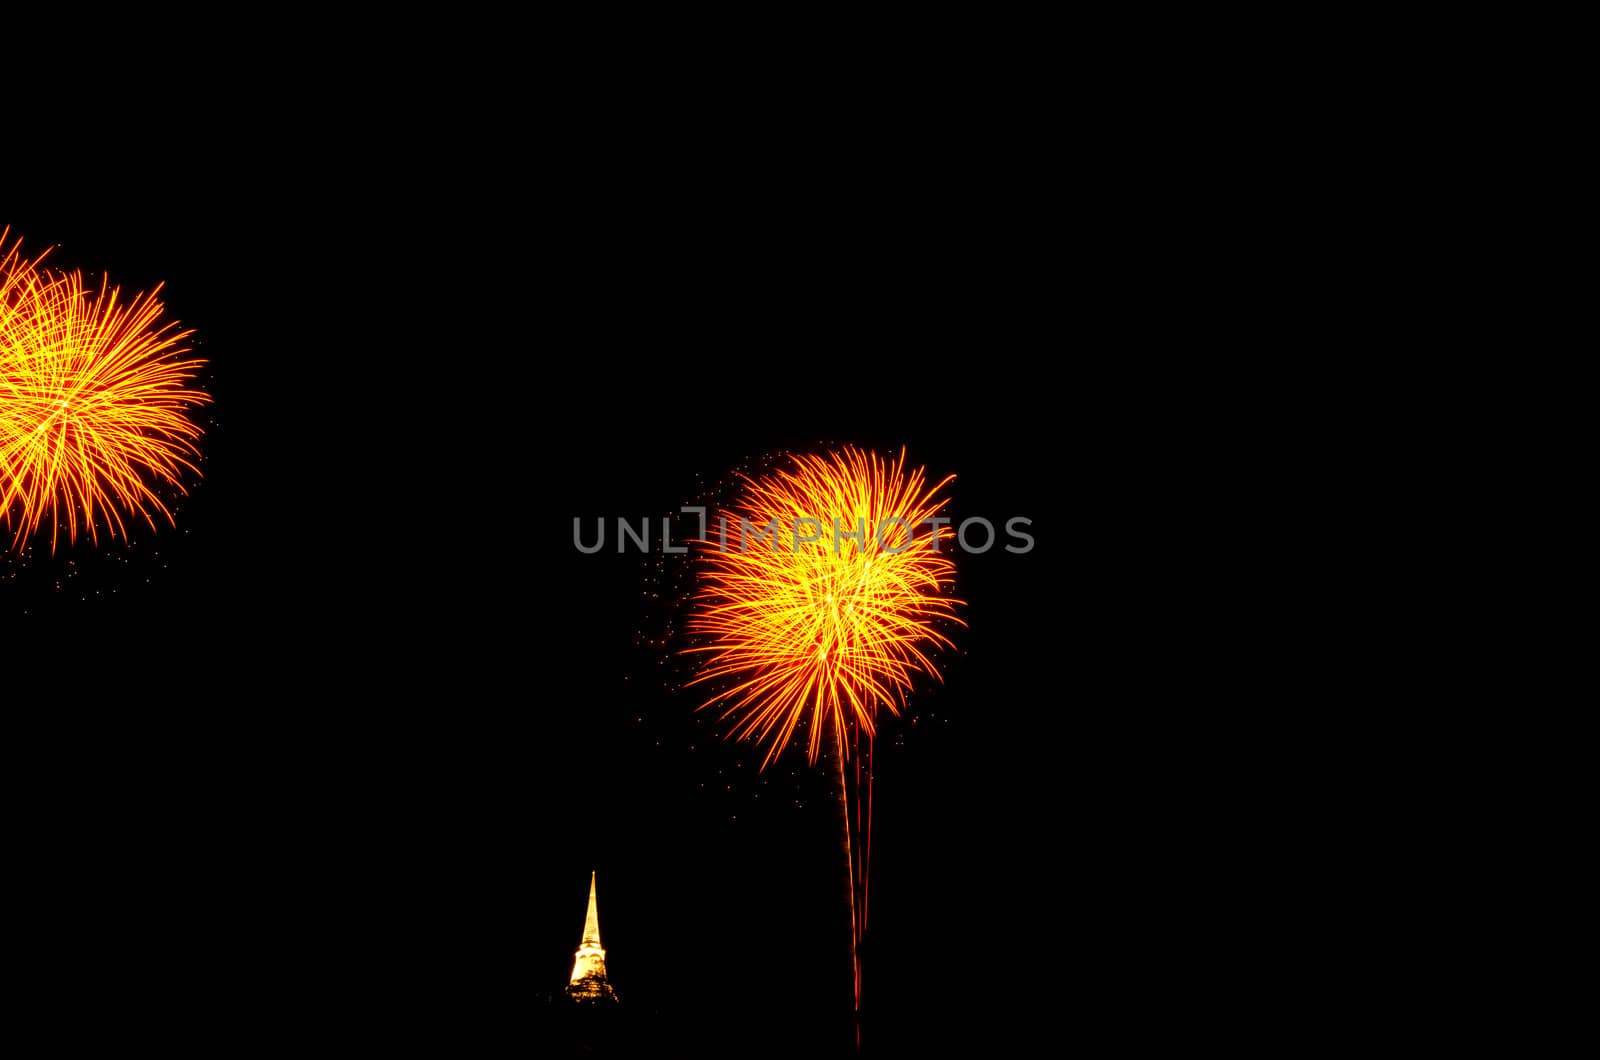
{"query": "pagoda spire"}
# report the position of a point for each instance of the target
(589, 962)
(591, 922)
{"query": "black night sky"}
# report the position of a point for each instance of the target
(352, 750)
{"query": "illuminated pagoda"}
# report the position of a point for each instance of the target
(589, 962)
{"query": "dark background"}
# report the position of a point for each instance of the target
(339, 770)
(354, 749)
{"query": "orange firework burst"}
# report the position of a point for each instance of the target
(824, 606)
(94, 404)
(834, 627)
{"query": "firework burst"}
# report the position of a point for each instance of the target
(829, 629)
(821, 600)
(95, 404)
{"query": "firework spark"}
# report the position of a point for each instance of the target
(833, 628)
(95, 403)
